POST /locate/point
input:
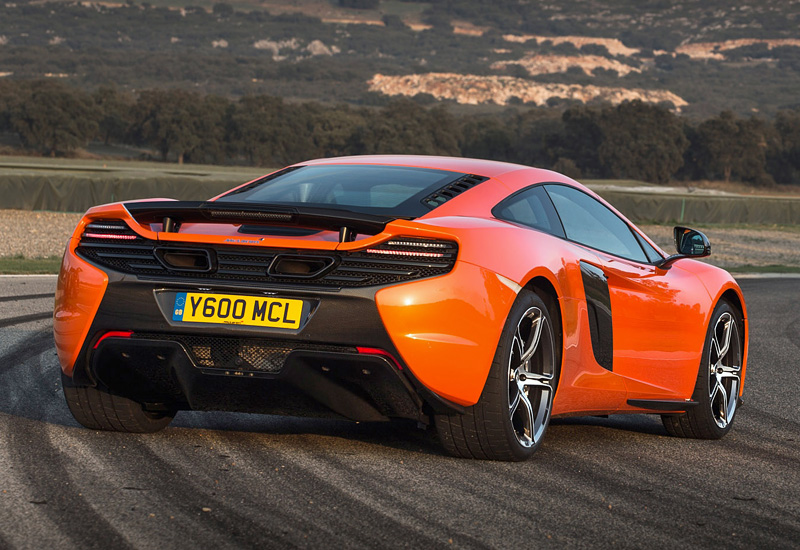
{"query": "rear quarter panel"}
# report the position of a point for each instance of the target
(447, 329)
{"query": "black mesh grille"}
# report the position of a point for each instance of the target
(242, 354)
(451, 190)
(394, 261)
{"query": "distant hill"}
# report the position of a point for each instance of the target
(698, 57)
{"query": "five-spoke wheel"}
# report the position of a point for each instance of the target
(718, 381)
(530, 377)
(511, 417)
(724, 366)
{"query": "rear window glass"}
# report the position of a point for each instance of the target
(388, 190)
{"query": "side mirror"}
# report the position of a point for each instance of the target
(689, 244)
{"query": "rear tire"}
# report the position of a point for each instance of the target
(718, 380)
(99, 409)
(513, 413)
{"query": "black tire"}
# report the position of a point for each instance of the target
(497, 427)
(99, 409)
(718, 380)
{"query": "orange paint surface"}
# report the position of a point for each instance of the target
(79, 292)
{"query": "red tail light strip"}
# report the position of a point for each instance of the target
(108, 236)
(381, 353)
(406, 253)
(114, 334)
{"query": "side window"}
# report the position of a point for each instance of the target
(652, 254)
(589, 222)
(531, 207)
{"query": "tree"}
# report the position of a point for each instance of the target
(641, 141)
(212, 128)
(731, 147)
(222, 9)
(579, 140)
(115, 113)
(54, 118)
(360, 4)
(11, 94)
(169, 121)
(784, 162)
(488, 138)
(404, 127)
(268, 132)
(331, 128)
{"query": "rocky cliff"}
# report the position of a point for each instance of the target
(549, 64)
(712, 50)
(614, 46)
(474, 90)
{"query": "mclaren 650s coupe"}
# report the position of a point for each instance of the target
(479, 297)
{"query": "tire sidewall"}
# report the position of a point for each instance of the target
(499, 372)
(703, 386)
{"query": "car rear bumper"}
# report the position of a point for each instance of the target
(164, 374)
(341, 363)
(439, 333)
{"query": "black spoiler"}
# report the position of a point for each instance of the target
(173, 213)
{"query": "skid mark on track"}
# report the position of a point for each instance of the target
(29, 375)
(22, 297)
(175, 482)
(676, 493)
(61, 498)
(384, 500)
(37, 344)
(312, 480)
(792, 332)
(11, 321)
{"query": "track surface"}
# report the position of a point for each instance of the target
(226, 480)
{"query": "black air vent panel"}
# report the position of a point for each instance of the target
(451, 190)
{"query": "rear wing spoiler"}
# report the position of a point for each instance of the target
(173, 213)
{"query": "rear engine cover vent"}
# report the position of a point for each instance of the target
(451, 190)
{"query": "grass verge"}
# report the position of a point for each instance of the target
(20, 265)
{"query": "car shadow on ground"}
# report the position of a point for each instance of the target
(32, 390)
(648, 424)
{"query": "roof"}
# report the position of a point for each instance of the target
(488, 168)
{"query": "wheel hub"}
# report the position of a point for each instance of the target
(531, 375)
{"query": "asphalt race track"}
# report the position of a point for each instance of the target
(236, 481)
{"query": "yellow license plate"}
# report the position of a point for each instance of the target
(231, 309)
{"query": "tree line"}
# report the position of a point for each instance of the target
(633, 140)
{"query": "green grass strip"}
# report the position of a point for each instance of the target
(20, 265)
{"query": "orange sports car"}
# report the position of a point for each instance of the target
(481, 297)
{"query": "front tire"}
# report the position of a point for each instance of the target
(513, 413)
(99, 409)
(718, 380)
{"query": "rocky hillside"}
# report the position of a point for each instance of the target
(702, 56)
(502, 90)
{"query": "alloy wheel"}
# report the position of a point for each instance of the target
(531, 377)
(724, 370)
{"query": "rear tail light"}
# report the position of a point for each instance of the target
(112, 236)
(115, 230)
(409, 253)
(408, 247)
